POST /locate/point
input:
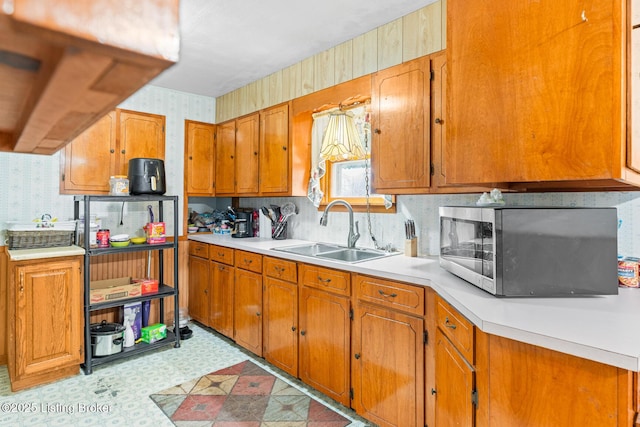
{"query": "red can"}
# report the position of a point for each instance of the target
(102, 238)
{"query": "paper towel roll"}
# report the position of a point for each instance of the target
(265, 226)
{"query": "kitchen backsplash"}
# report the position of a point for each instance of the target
(423, 209)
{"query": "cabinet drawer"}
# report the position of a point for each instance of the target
(249, 261)
(199, 249)
(459, 330)
(221, 254)
(281, 269)
(327, 279)
(398, 296)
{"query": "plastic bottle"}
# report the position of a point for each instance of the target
(129, 338)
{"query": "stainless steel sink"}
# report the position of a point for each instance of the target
(335, 252)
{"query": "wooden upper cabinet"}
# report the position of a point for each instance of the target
(89, 161)
(225, 158)
(275, 167)
(400, 146)
(247, 154)
(69, 69)
(521, 109)
(199, 165)
(140, 135)
(105, 148)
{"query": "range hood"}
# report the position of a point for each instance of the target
(66, 63)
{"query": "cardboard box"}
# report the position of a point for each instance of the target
(153, 333)
(155, 232)
(148, 286)
(113, 289)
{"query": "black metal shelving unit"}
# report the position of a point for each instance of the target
(164, 290)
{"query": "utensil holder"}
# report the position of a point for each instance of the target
(411, 247)
(279, 231)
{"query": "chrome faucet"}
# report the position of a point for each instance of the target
(353, 235)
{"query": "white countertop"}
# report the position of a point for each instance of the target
(26, 254)
(600, 328)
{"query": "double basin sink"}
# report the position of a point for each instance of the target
(335, 252)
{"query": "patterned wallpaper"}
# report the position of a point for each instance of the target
(31, 182)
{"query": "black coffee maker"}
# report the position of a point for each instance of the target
(243, 225)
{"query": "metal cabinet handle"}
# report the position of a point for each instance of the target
(248, 261)
(21, 281)
(323, 280)
(448, 324)
(381, 292)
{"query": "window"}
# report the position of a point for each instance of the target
(346, 179)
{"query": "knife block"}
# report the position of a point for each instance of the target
(411, 247)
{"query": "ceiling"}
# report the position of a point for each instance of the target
(226, 44)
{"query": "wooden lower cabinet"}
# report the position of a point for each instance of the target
(324, 342)
(526, 385)
(46, 329)
(221, 298)
(455, 379)
(280, 334)
(388, 353)
(247, 302)
(199, 295)
(280, 321)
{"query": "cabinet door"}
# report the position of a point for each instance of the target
(140, 135)
(247, 147)
(247, 320)
(634, 101)
(48, 317)
(274, 150)
(281, 324)
(324, 343)
(400, 147)
(199, 289)
(455, 383)
(200, 158)
(388, 367)
(225, 158)
(221, 310)
(89, 160)
(523, 110)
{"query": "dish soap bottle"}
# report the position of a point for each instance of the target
(129, 338)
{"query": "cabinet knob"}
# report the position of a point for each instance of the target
(439, 121)
(190, 157)
(357, 355)
(112, 151)
(206, 291)
(255, 153)
(122, 151)
(433, 391)
(293, 328)
(231, 157)
(303, 332)
(378, 131)
(284, 148)
(258, 314)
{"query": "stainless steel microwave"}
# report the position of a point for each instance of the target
(516, 251)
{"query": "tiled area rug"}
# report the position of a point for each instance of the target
(243, 395)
